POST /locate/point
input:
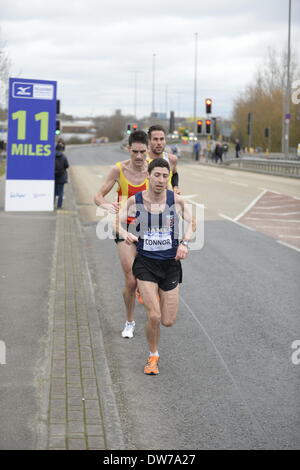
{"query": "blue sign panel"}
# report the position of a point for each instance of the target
(31, 129)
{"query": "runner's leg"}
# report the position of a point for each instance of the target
(169, 301)
(127, 254)
(149, 291)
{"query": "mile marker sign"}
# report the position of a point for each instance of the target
(30, 145)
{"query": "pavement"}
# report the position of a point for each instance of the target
(55, 389)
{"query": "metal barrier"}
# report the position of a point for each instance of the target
(273, 167)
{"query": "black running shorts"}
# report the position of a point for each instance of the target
(166, 273)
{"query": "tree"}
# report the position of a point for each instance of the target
(4, 75)
(264, 99)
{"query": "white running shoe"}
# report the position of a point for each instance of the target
(128, 330)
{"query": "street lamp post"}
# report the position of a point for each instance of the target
(153, 84)
(287, 91)
(195, 84)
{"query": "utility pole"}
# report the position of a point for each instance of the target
(166, 101)
(153, 83)
(136, 72)
(287, 115)
(195, 84)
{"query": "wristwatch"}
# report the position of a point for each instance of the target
(185, 243)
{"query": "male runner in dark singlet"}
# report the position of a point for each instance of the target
(159, 251)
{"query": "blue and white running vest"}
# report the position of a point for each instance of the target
(158, 233)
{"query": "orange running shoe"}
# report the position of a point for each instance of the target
(139, 297)
(151, 368)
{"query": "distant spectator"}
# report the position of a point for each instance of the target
(225, 149)
(237, 148)
(61, 175)
(197, 148)
(174, 149)
(61, 142)
(218, 152)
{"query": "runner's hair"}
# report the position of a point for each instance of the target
(156, 127)
(158, 162)
(139, 137)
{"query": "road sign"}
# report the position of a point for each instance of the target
(31, 145)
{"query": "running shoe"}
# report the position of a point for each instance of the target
(128, 330)
(151, 368)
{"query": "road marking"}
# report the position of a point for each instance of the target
(273, 207)
(239, 184)
(289, 236)
(238, 389)
(278, 213)
(189, 196)
(271, 191)
(288, 245)
(251, 205)
(214, 179)
(276, 220)
(236, 222)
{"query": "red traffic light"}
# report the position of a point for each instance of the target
(208, 126)
(199, 126)
(208, 103)
(134, 127)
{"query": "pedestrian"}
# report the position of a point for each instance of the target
(157, 264)
(218, 152)
(225, 150)
(131, 177)
(197, 150)
(237, 148)
(61, 174)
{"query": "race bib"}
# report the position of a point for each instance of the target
(157, 241)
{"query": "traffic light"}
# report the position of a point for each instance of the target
(128, 128)
(199, 127)
(266, 132)
(57, 106)
(208, 126)
(57, 129)
(134, 127)
(208, 103)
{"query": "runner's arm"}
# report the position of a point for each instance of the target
(128, 210)
(187, 216)
(175, 175)
(99, 199)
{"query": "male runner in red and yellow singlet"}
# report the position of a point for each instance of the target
(131, 176)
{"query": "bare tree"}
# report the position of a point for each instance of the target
(264, 99)
(4, 74)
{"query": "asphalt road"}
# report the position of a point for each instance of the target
(226, 375)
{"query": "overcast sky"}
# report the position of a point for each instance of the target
(94, 49)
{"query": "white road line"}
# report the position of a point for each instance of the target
(189, 196)
(239, 184)
(196, 203)
(273, 207)
(270, 190)
(275, 213)
(289, 246)
(219, 355)
(236, 222)
(251, 205)
(289, 236)
(214, 179)
(275, 220)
